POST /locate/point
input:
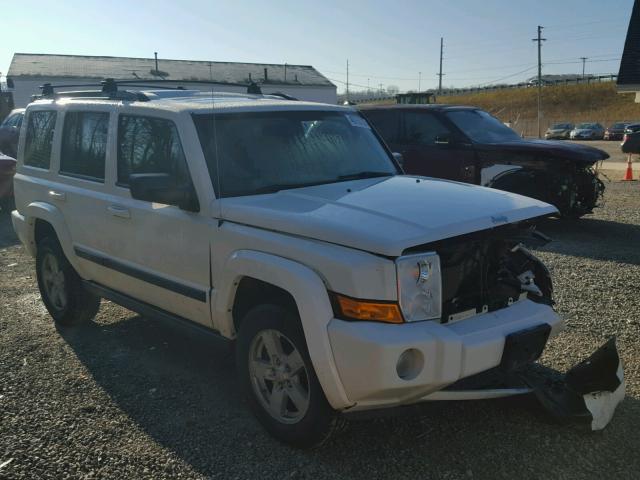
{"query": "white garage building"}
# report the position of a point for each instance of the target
(30, 70)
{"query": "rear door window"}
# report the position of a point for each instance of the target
(40, 128)
(149, 145)
(84, 145)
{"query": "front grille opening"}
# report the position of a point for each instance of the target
(480, 271)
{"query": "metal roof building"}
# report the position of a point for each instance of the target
(29, 70)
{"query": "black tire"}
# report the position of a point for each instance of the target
(320, 420)
(79, 305)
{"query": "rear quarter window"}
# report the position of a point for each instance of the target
(39, 136)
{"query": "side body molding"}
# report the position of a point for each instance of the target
(310, 295)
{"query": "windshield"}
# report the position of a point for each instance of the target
(561, 126)
(482, 127)
(618, 125)
(264, 152)
(587, 125)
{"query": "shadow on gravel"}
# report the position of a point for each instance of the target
(8, 237)
(181, 391)
(593, 238)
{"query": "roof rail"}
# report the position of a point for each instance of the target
(282, 95)
(109, 89)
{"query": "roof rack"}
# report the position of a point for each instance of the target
(109, 89)
(282, 95)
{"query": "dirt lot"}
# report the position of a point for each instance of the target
(124, 397)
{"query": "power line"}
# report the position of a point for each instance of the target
(593, 22)
(584, 61)
(510, 76)
(539, 40)
(347, 80)
(440, 74)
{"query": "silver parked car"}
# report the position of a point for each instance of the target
(587, 131)
(559, 131)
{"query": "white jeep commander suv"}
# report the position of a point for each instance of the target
(288, 229)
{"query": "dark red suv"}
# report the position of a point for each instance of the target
(470, 145)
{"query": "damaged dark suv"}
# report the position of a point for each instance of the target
(470, 145)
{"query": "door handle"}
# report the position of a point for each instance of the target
(119, 211)
(61, 196)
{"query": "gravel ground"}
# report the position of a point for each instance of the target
(123, 397)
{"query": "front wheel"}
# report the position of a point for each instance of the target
(278, 379)
(62, 291)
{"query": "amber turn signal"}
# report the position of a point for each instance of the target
(373, 311)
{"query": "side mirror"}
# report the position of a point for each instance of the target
(162, 188)
(443, 140)
(399, 158)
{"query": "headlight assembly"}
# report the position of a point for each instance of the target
(419, 286)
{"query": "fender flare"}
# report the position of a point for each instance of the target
(310, 294)
(52, 215)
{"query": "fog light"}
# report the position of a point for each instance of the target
(410, 364)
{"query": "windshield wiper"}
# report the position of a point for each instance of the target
(365, 174)
(286, 186)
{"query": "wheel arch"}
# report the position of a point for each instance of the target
(290, 281)
(41, 218)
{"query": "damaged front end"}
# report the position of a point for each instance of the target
(575, 189)
(490, 270)
(586, 394)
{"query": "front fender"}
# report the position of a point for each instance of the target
(310, 295)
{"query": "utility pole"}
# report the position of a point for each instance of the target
(156, 55)
(440, 73)
(368, 88)
(584, 60)
(539, 40)
(419, 80)
(347, 80)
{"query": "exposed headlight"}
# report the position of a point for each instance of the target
(419, 286)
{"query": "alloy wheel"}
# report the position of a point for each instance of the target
(54, 282)
(278, 376)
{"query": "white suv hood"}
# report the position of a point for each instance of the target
(383, 216)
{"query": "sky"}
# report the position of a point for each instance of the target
(386, 42)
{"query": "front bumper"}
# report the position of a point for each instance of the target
(367, 353)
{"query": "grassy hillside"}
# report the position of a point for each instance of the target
(573, 103)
